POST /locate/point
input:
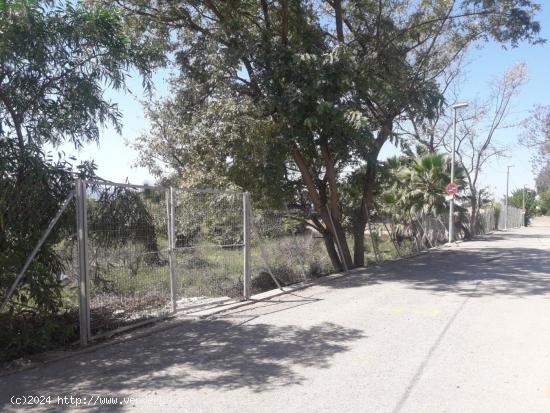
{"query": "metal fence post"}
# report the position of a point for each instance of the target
(246, 241)
(83, 290)
(170, 209)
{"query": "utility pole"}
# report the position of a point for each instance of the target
(506, 200)
(456, 106)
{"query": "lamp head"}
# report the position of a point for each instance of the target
(460, 105)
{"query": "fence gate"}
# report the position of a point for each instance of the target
(209, 239)
(145, 252)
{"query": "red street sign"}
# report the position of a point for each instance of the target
(451, 188)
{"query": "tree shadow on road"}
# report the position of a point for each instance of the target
(514, 272)
(215, 354)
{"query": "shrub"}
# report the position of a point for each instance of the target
(28, 333)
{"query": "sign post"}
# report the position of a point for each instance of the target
(451, 189)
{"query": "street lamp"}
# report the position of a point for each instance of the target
(507, 182)
(456, 106)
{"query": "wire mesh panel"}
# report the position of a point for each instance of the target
(285, 250)
(383, 243)
(408, 235)
(486, 221)
(128, 270)
(514, 218)
(209, 245)
(502, 218)
(431, 230)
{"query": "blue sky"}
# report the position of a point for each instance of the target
(115, 158)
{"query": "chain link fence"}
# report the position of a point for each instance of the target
(146, 252)
(209, 245)
(127, 255)
(138, 253)
(510, 217)
(389, 238)
(286, 249)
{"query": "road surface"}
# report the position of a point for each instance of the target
(463, 329)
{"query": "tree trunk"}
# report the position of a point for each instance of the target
(332, 253)
(329, 244)
(333, 207)
(333, 231)
(337, 5)
(473, 215)
(339, 238)
(367, 201)
(359, 225)
(17, 121)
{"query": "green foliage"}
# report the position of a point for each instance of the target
(215, 218)
(32, 187)
(283, 99)
(543, 176)
(544, 202)
(517, 198)
(416, 185)
(278, 225)
(121, 220)
(120, 216)
(26, 333)
(55, 61)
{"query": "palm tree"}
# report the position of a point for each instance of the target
(415, 187)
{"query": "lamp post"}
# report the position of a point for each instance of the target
(507, 182)
(456, 106)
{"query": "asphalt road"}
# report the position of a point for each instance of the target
(463, 329)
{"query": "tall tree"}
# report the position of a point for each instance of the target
(414, 184)
(524, 198)
(286, 97)
(475, 142)
(428, 134)
(56, 60)
(543, 178)
(537, 137)
(412, 189)
(544, 202)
